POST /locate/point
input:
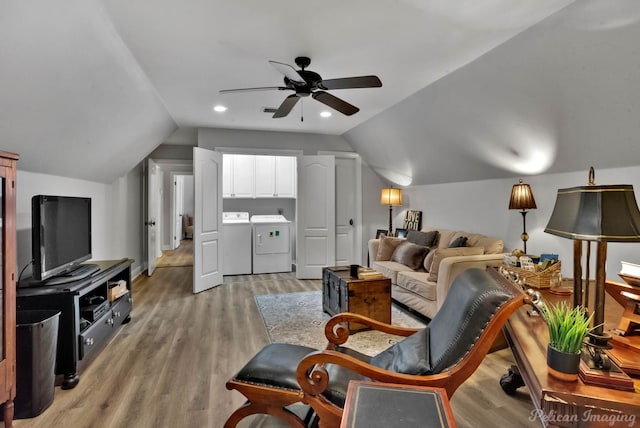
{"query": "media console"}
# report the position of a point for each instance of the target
(88, 319)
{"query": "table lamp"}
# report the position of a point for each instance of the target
(391, 196)
(601, 214)
(522, 199)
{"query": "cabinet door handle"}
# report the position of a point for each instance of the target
(350, 222)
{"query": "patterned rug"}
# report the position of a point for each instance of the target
(298, 318)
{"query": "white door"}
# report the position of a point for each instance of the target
(177, 211)
(315, 208)
(348, 210)
(207, 219)
(153, 208)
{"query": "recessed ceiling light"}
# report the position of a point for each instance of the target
(325, 114)
(220, 108)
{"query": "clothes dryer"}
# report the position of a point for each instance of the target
(271, 244)
(236, 243)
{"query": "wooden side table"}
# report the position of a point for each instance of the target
(368, 295)
(377, 404)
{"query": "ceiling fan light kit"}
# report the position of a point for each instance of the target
(309, 83)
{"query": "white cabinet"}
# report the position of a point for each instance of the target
(275, 177)
(259, 176)
(238, 176)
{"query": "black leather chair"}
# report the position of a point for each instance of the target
(443, 354)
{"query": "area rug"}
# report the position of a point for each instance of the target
(298, 318)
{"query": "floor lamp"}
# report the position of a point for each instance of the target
(522, 199)
(391, 196)
(595, 213)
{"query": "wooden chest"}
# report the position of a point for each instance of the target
(368, 295)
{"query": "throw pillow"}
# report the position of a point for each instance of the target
(426, 239)
(409, 356)
(429, 259)
(443, 253)
(460, 241)
(386, 247)
(410, 254)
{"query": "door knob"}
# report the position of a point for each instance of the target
(350, 222)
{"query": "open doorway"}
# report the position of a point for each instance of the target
(175, 208)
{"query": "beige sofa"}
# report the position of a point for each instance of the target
(423, 288)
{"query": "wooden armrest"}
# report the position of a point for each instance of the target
(337, 333)
(313, 377)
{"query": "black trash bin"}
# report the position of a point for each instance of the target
(36, 344)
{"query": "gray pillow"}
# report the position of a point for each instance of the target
(460, 241)
(426, 239)
(410, 254)
(409, 356)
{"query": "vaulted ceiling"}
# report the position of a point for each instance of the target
(471, 90)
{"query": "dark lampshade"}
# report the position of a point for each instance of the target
(596, 213)
(522, 197)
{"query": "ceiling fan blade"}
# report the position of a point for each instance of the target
(352, 82)
(335, 103)
(286, 106)
(288, 71)
(262, 88)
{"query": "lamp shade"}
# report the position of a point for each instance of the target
(391, 196)
(596, 213)
(522, 197)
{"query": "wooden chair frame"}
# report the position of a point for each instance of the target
(313, 377)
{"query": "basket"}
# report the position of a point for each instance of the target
(537, 279)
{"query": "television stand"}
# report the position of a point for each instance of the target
(80, 272)
(85, 326)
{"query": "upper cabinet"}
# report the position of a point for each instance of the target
(275, 177)
(238, 176)
(260, 176)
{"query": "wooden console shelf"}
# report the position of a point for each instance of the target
(86, 323)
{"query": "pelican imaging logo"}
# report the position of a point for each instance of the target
(588, 416)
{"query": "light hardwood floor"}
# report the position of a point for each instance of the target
(169, 365)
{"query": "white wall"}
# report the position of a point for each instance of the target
(115, 219)
(482, 206)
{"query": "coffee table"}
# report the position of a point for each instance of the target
(369, 294)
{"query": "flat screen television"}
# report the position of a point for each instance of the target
(61, 234)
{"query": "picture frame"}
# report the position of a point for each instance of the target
(381, 232)
(413, 220)
(401, 233)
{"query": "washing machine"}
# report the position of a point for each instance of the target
(271, 244)
(236, 243)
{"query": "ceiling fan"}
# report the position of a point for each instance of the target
(308, 83)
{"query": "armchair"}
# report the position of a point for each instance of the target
(444, 354)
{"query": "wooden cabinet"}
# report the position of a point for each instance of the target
(88, 319)
(258, 176)
(238, 176)
(8, 284)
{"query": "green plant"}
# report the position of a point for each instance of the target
(567, 327)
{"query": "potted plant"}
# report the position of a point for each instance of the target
(568, 328)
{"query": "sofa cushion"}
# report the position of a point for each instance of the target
(390, 269)
(441, 254)
(446, 236)
(426, 239)
(490, 245)
(418, 283)
(410, 254)
(386, 247)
